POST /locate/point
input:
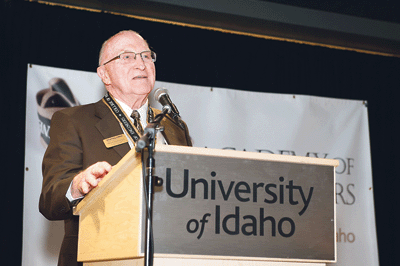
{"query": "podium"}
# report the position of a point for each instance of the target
(215, 207)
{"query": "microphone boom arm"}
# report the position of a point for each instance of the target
(148, 140)
(150, 131)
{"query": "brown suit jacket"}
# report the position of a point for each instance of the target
(76, 142)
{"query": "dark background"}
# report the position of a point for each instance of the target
(69, 38)
(382, 10)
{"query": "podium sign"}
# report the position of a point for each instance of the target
(242, 204)
(216, 207)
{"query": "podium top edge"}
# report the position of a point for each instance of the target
(246, 155)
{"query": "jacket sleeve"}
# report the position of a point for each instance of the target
(61, 162)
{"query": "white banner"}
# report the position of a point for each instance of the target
(224, 119)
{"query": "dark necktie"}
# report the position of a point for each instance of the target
(136, 121)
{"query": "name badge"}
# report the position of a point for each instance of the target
(115, 141)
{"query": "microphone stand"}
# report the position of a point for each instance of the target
(148, 140)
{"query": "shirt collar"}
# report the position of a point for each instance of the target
(142, 111)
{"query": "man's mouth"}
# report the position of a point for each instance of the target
(140, 77)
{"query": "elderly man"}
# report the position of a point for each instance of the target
(77, 157)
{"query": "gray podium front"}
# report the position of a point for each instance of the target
(216, 207)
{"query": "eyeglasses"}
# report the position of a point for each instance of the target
(129, 57)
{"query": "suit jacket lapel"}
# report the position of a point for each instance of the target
(173, 133)
(110, 127)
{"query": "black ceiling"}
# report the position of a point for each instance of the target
(383, 10)
(375, 38)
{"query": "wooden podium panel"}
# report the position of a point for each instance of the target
(110, 214)
(216, 207)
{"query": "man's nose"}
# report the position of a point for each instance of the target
(139, 63)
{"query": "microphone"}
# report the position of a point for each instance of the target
(161, 95)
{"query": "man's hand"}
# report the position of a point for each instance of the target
(85, 181)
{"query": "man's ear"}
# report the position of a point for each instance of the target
(103, 74)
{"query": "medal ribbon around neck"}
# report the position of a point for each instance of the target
(123, 119)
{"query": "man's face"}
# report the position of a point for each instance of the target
(127, 80)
